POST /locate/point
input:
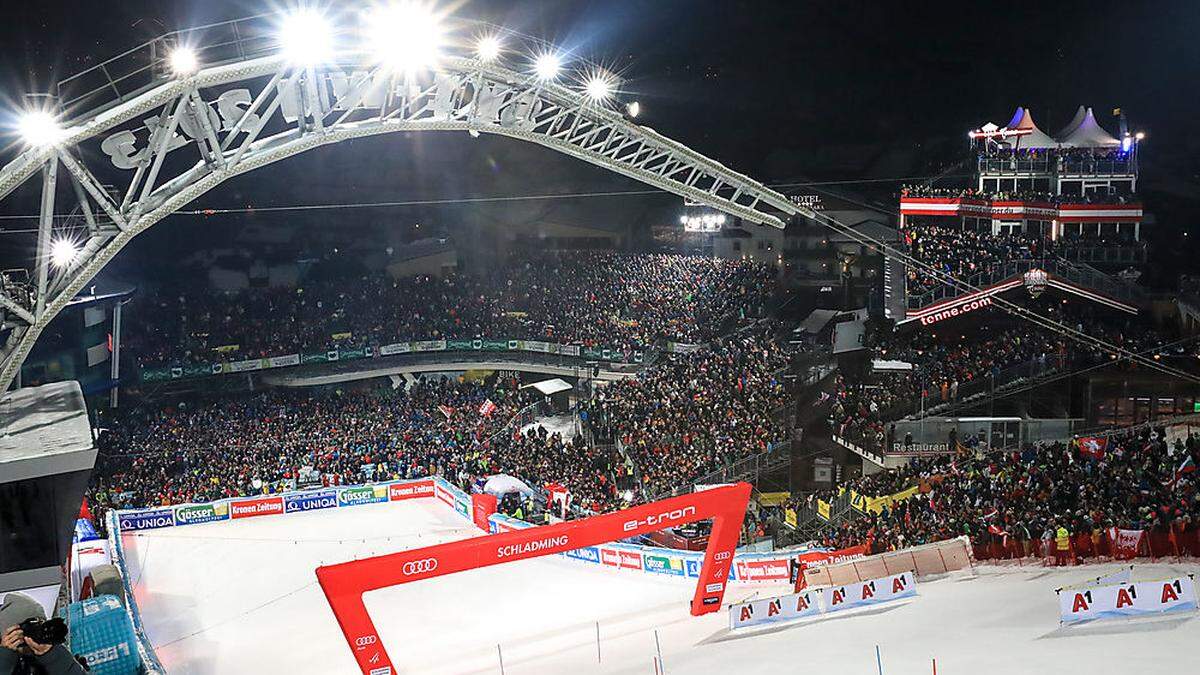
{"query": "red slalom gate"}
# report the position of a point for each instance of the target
(344, 584)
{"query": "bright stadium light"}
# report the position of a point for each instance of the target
(184, 61)
(599, 88)
(62, 252)
(406, 37)
(39, 129)
(488, 48)
(634, 109)
(306, 38)
(547, 65)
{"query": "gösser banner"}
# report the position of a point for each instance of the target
(1136, 599)
(344, 584)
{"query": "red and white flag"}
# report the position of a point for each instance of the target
(446, 410)
(487, 408)
(1093, 447)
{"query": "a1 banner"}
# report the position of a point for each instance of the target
(869, 592)
(249, 508)
(771, 610)
(1136, 599)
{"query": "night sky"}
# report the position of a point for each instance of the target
(785, 91)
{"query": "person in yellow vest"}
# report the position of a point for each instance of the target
(1062, 546)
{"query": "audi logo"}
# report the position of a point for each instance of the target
(721, 555)
(365, 640)
(420, 566)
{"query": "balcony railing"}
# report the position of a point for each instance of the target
(1081, 276)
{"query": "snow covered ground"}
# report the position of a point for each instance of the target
(563, 423)
(241, 597)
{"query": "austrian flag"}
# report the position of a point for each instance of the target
(487, 408)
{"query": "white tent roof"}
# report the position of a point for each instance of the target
(1080, 114)
(502, 484)
(548, 387)
(1088, 134)
(1037, 138)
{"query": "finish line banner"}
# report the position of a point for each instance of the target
(1140, 598)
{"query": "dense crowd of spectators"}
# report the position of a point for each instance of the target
(948, 368)
(622, 301)
(1139, 481)
(962, 253)
(1041, 196)
(697, 412)
(677, 421)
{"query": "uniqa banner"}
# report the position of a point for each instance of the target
(1135, 599)
(869, 592)
(771, 610)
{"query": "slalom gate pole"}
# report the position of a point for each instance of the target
(597, 642)
(501, 655)
(658, 648)
(878, 659)
(935, 667)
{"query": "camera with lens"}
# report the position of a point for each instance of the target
(45, 631)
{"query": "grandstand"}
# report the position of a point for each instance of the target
(514, 433)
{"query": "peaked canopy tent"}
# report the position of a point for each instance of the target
(1033, 138)
(1088, 134)
(1080, 115)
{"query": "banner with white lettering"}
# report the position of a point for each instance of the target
(771, 610)
(1135, 599)
(869, 592)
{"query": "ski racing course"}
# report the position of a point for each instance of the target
(240, 596)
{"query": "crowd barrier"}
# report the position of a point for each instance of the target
(747, 567)
(1113, 543)
(611, 354)
(937, 558)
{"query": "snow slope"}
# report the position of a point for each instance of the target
(241, 597)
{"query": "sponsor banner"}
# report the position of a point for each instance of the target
(569, 350)
(610, 557)
(833, 557)
(761, 570)
(260, 506)
(587, 554)
(630, 560)
(869, 592)
(201, 513)
(320, 357)
(245, 366)
(367, 494)
(443, 494)
(661, 564)
(1135, 599)
(428, 345)
(463, 507)
(147, 520)
(771, 610)
(495, 345)
(399, 491)
(310, 501)
(396, 348)
(459, 345)
(536, 346)
(823, 509)
(281, 361)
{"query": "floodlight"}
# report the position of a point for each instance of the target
(1140, 135)
(39, 128)
(633, 109)
(184, 61)
(306, 38)
(599, 88)
(406, 37)
(62, 252)
(547, 65)
(683, 220)
(488, 48)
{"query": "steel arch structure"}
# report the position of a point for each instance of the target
(175, 138)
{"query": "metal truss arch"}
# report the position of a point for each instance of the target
(179, 138)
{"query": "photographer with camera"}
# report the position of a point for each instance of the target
(31, 645)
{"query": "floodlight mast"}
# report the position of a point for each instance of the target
(240, 102)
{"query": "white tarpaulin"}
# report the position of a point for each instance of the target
(890, 365)
(502, 484)
(549, 387)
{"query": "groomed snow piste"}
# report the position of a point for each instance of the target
(241, 597)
